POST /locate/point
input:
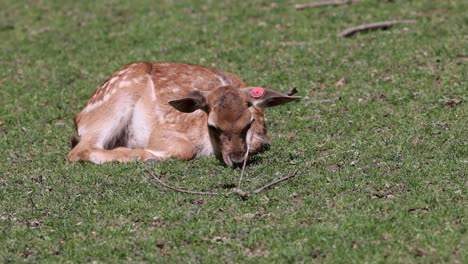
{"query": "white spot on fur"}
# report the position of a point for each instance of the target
(123, 71)
(112, 80)
(92, 106)
(123, 84)
(222, 80)
(97, 104)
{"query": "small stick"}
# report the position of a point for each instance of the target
(244, 195)
(330, 100)
(324, 3)
(384, 25)
(245, 162)
(275, 182)
(178, 189)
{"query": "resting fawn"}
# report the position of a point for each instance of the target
(148, 112)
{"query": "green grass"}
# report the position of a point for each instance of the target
(382, 172)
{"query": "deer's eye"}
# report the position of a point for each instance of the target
(213, 128)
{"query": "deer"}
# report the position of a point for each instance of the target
(156, 111)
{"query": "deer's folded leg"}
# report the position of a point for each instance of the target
(172, 144)
(121, 154)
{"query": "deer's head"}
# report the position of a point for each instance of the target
(231, 114)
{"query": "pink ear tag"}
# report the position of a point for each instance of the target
(257, 92)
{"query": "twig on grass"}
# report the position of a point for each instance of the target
(324, 3)
(275, 182)
(377, 25)
(329, 100)
(179, 189)
(246, 156)
(243, 194)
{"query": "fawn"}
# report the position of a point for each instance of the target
(148, 112)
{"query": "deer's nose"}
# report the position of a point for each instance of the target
(236, 164)
(237, 159)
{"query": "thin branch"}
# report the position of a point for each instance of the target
(275, 182)
(179, 189)
(324, 3)
(243, 194)
(245, 162)
(294, 43)
(330, 100)
(377, 25)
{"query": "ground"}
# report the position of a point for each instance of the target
(379, 138)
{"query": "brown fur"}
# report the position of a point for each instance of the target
(157, 111)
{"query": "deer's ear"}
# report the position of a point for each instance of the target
(264, 97)
(193, 101)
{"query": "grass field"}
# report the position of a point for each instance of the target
(382, 172)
